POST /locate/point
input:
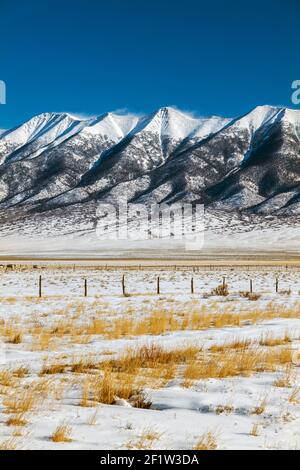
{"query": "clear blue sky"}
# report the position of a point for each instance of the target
(92, 56)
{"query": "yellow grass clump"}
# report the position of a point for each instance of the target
(146, 440)
(270, 340)
(255, 430)
(6, 378)
(9, 444)
(286, 379)
(21, 401)
(62, 433)
(17, 420)
(208, 441)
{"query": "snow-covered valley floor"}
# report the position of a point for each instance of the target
(172, 370)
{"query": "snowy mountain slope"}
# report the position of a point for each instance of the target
(270, 167)
(248, 164)
(38, 132)
(55, 158)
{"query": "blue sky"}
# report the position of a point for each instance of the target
(92, 56)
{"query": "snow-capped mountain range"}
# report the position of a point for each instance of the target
(249, 164)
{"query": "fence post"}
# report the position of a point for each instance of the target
(40, 286)
(251, 288)
(123, 285)
(85, 288)
(192, 285)
(158, 286)
(276, 285)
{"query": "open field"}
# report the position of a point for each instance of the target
(157, 258)
(141, 362)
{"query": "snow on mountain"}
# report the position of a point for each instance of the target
(258, 117)
(249, 163)
(36, 133)
(113, 125)
(177, 125)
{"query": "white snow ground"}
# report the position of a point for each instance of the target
(178, 415)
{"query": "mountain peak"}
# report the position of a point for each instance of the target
(166, 156)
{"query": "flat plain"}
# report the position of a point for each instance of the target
(162, 356)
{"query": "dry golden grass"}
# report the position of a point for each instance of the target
(84, 364)
(286, 379)
(63, 327)
(158, 320)
(9, 444)
(221, 290)
(221, 362)
(285, 292)
(20, 372)
(98, 326)
(146, 440)
(126, 376)
(255, 430)
(295, 396)
(110, 387)
(261, 407)
(17, 338)
(140, 400)
(80, 339)
(50, 368)
(233, 344)
(21, 401)
(104, 389)
(162, 374)
(6, 378)
(277, 357)
(43, 387)
(93, 419)
(10, 300)
(12, 333)
(20, 432)
(250, 296)
(43, 341)
(224, 409)
(17, 420)
(155, 324)
(208, 441)
(85, 396)
(62, 433)
(268, 339)
(152, 356)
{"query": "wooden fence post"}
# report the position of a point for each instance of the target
(251, 287)
(40, 286)
(276, 285)
(123, 285)
(192, 285)
(158, 286)
(85, 288)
